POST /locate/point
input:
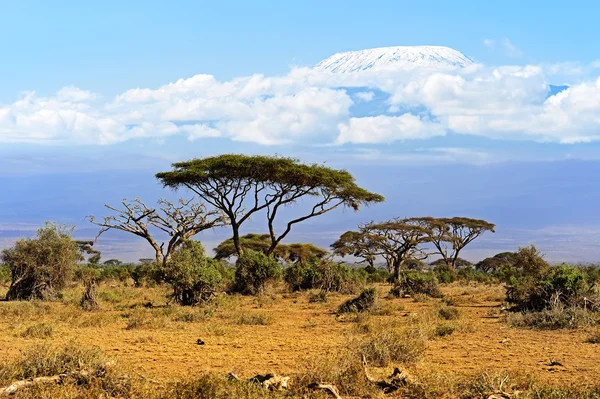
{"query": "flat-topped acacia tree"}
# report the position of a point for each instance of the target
(450, 235)
(242, 185)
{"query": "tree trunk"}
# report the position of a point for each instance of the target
(89, 301)
(236, 239)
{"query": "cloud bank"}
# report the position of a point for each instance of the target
(317, 108)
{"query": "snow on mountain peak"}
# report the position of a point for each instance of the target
(401, 57)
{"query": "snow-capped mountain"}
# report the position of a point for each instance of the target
(394, 57)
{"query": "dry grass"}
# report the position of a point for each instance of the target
(286, 334)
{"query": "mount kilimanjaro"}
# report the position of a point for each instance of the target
(400, 57)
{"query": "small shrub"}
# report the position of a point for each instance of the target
(318, 297)
(412, 282)
(444, 330)
(365, 302)
(594, 338)
(39, 330)
(448, 313)
(385, 345)
(254, 319)
(325, 275)
(192, 315)
(253, 270)
(554, 318)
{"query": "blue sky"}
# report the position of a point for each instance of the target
(96, 95)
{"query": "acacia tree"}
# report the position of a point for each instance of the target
(293, 253)
(397, 241)
(180, 221)
(450, 235)
(241, 185)
(358, 244)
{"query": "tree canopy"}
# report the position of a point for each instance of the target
(396, 240)
(241, 185)
(450, 235)
(295, 252)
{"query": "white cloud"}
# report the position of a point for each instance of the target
(365, 96)
(377, 129)
(505, 102)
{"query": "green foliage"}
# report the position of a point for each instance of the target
(496, 263)
(147, 273)
(376, 275)
(193, 276)
(473, 275)
(324, 275)
(365, 302)
(460, 263)
(41, 266)
(4, 274)
(253, 270)
(414, 282)
(295, 252)
(118, 272)
(443, 274)
(241, 185)
(567, 285)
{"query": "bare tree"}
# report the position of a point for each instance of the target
(180, 221)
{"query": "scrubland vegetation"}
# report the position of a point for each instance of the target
(409, 319)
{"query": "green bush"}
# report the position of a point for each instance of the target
(413, 282)
(193, 276)
(42, 266)
(473, 275)
(567, 285)
(443, 274)
(377, 275)
(324, 275)
(146, 274)
(365, 302)
(121, 272)
(253, 270)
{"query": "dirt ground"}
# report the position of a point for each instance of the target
(162, 344)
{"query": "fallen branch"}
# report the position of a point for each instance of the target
(56, 379)
(329, 388)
